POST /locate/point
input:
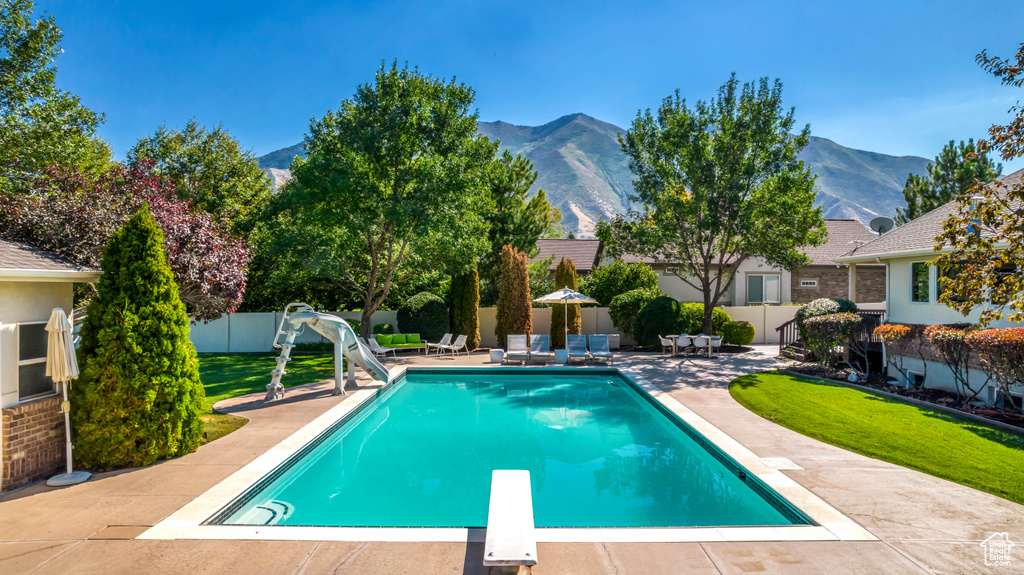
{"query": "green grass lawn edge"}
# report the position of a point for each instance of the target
(930, 441)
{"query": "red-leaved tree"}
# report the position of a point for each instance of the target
(74, 215)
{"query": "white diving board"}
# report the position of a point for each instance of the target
(510, 539)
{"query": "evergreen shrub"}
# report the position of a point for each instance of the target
(425, 314)
(738, 333)
(380, 328)
(464, 296)
(607, 282)
(820, 307)
(139, 395)
(515, 306)
(625, 308)
(565, 276)
(661, 316)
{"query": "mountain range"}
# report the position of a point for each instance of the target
(584, 173)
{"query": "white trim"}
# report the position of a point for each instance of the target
(20, 275)
(186, 523)
(23, 362)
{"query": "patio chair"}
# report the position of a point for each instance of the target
(701, 343)
(599, 348)
(684, 343)
(447, 339)
(576, 346)
(518, 350)
(378, 350)
(666, 344)
(540, 348)
(455, 348)
(715, 345)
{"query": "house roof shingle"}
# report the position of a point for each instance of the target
(918, 235)
(583, 253)
(843, 236)
(24, 257)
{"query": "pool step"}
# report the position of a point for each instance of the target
(510, 539)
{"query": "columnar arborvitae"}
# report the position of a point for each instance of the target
(565, 276)
(515, 307)
(139, 395)
(465, 306)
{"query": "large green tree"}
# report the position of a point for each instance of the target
(982, 241)
(40, 125)
(211, 169)
(515, 219)
(139, 396)
(718, 184)
(391, 186)
(954, 171)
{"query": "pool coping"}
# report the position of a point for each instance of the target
(187, 522)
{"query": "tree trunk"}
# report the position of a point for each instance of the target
(709, 309)
(365, 327)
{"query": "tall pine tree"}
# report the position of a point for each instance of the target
(565, 276)
(953, 172)
(139, 396)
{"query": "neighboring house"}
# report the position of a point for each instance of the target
(912, 288)
(32, 283)
(757, 283)
(585, 254)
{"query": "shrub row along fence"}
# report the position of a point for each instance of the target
(254, 332)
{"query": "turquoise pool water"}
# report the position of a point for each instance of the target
(599, 451)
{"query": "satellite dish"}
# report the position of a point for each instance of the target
(881, 224)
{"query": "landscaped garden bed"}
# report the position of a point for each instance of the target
(940, 398)
(945, 445)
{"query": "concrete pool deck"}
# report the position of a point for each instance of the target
(924, 524)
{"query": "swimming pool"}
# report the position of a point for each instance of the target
(600, 451)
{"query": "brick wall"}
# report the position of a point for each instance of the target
(33, 442)
(921, 348)
(833, 282)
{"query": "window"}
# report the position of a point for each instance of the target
(32, 378)
(809, 283)
(762, 289)
(920, 282)
(940, 289)
(671, 271)
(1002, 274)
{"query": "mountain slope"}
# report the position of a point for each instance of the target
(585, 174)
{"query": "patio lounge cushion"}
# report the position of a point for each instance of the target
(384, 339)
(412, 338)
(398, 339)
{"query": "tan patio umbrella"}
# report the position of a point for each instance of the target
(62, 367)
(565, 296)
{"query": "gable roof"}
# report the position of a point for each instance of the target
(843, 236)
(916, 236)
(583, 253)
(19, 260)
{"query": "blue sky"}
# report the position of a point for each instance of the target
(891, 77)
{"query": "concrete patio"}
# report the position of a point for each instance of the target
(924, 524)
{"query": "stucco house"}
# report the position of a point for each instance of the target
(912, 289)
(757, 283)
(32, 283)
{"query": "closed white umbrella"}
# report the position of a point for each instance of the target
(565, 296)
(62, 367)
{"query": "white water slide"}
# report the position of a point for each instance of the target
(338, 332)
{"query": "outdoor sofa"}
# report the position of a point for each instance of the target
(401, 341)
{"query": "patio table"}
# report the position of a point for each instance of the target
(675, 343)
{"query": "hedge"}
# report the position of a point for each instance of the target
(738, 333)
(425, 314)
(828, 333)
(625, 308)
(820, 307)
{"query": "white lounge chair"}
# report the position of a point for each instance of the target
(666, 344)
(518, 350)
(576, 346)
(599, 348)
(378, 350)
(447, 339)
(455, 348)
(540, 348)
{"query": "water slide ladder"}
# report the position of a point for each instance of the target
(298, 315)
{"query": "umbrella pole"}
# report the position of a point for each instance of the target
(565, 310)
(67, 424)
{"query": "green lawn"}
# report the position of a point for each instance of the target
(934, 442)
(227, 375)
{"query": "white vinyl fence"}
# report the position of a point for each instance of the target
(254, 332)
